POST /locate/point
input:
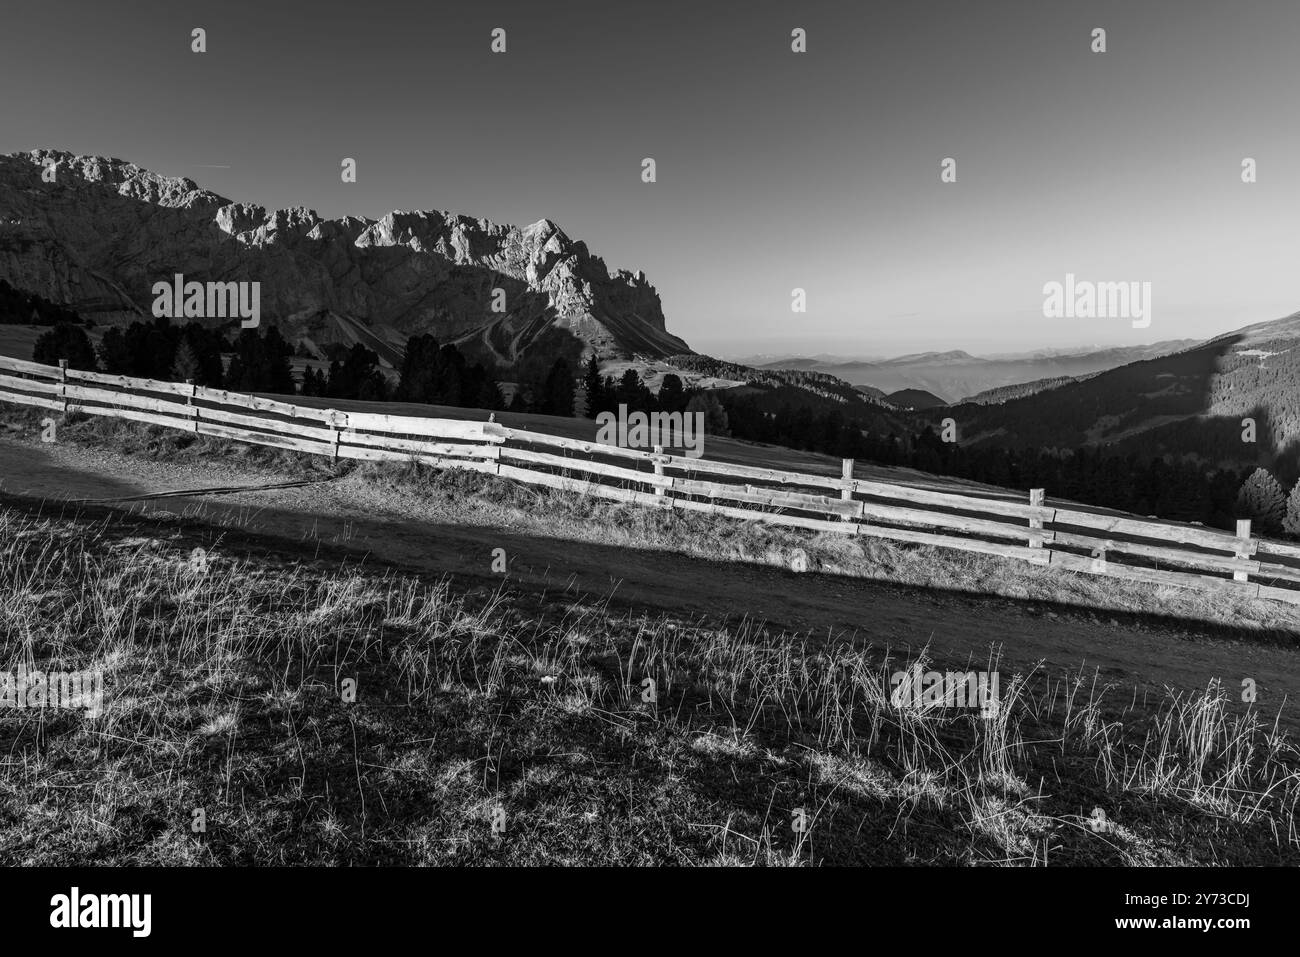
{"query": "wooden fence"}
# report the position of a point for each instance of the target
(1035, 531)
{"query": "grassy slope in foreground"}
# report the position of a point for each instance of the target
(223, 693)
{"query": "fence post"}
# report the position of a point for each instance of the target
(1036, 501)
(334, 435)
(189, 401)
(659, 469)
(491, 451)
(846, 493)
(1243, 549)
(63, 384)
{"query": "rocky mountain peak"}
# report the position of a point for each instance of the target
(128, 179)
(105, 230)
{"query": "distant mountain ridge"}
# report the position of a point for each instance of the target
(1193, 402)
(814, 383)
(1006, 393)
(954, 374)
(99, 236)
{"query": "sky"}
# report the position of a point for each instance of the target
(776, 170)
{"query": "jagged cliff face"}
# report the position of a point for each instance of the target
(105, 231)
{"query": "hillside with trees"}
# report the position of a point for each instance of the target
(25, 308)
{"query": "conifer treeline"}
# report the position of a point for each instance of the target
(27, 308)
(606, 394)
(1168, 486)
(261, 361)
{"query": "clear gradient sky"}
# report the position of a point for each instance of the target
(775, 169)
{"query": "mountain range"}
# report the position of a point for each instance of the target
(955, 375)
(1234, 398)
(104, 231)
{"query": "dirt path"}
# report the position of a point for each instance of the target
(1131, 650)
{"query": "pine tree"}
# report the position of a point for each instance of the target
(277, 369)
(65, 341)
(1262, 500)
(419, 366)
(489, 396)
(672, 397)
(234, 377)
(715, 417)
(206, 345)
(449, 377)
(186, 366)
(557, 394)
(334, 385)
(357, 376)
(632, 392)
(594, 387)
(1292, 521)
(114, 355)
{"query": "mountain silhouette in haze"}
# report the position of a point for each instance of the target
(955, 375)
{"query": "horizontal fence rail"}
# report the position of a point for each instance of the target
(1123, 546)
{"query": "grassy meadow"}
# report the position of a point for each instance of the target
(276, 708)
